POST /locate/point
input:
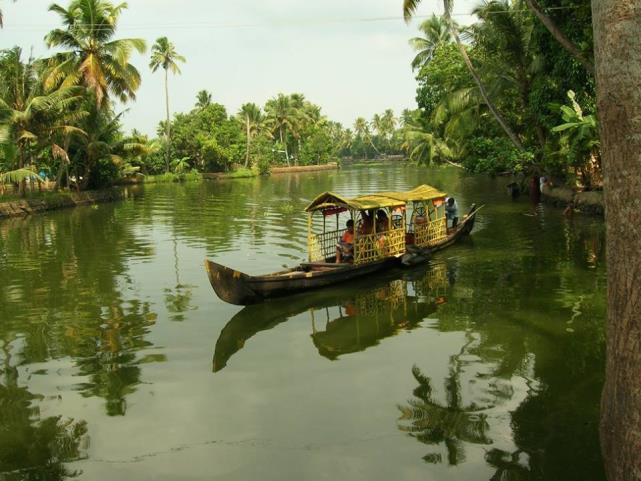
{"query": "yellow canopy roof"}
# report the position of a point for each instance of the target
(328, 200)
(422, 192)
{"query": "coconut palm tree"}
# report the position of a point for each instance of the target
(203, 99)
(388, 122)
(252, 117)
(92, 57)
(508, 39)
(29, 116)
(163, 54)
(409, 7)
(424, 147)
(281, 117)
(435, 32)
(362, 131)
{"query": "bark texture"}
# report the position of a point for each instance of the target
(617, 41)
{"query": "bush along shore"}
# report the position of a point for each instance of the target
(587, 202)
(60, 200)
(41, 202)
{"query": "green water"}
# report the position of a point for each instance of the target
(119, 362)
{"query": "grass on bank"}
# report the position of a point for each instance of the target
(172, 177)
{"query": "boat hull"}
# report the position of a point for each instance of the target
(241, 289)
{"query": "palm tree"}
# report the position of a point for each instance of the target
(508, 39)
(94, 58)
(163, 54)
(252, 117)
(362, 132)
(281, 116)
(388, 122)
(423, 146)
(409, 6)
(435, 32)
(203, 99)
(28, 115)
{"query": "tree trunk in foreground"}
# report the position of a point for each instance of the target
(617, 42)
(559, 36)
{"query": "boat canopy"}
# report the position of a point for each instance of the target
(329, 201)
(421, 193)
(335, 203)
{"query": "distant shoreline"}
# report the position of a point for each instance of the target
(47, 201)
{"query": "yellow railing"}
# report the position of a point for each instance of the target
(430, 233)
(322, 246)
(372, 247)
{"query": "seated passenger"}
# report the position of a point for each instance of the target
(367, 223)
(382, 221)
(345, 247)
(382, 225)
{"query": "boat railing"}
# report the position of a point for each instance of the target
(429, 233)
(373, 247)
(321, 246)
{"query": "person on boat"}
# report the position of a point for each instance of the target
(367, 223)
(451, 211)
(345, 247)
(382, 225)
(382, 221)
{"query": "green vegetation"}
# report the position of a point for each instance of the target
(59, 123)
(496, 102)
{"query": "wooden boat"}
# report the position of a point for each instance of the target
(372, 251)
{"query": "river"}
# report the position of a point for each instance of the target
(118, 361)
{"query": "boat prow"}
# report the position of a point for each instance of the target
(230, 285)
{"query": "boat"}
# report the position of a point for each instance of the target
(400, 239)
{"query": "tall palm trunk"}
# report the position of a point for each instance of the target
(167, 125)
(22, 184)
(247, 127)
(477, 79)
(559, 36)
(617, 47)
(285, 145)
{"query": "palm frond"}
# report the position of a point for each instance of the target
(409, 8)
(19, 175)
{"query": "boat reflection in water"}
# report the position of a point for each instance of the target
(345, 319)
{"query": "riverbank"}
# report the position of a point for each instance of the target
(62, 200)
(42, 202)
(304, 168)
(586, 202)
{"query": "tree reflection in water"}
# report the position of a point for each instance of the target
(431, 422)
(32, 448)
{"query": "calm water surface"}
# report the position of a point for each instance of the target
(117, 360)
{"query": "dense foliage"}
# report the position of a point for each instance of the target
(527, 77)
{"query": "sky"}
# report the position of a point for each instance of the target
(350, 57)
